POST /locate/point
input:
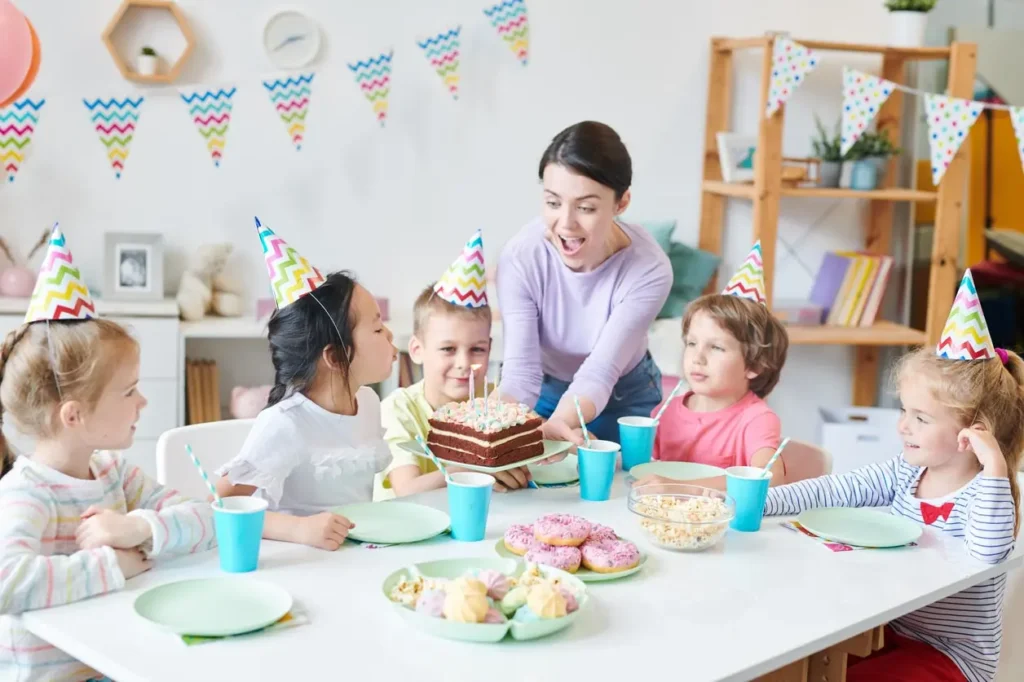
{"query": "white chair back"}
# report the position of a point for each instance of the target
(804, 460)
(214, 443)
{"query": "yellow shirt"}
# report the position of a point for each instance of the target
(404, 415)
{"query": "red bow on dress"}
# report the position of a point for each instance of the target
(930, 513)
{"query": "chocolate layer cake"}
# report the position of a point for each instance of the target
(485, 433)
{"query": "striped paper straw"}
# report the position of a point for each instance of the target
(583, 424)
(435, 460)
(673, 394)
(202, 472)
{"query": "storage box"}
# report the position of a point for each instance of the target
(857, 436)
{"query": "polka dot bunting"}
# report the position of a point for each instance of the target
(792, 63)
(949, 121)
(863, 96)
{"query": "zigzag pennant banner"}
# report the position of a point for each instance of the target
(966, 336)
(115, 122)
(290, 98)
(373, 77)
(509, 18)
(464, 283)
(211, 114)
(60, 293)
(443, 52)
(17, 124)
(748, 282)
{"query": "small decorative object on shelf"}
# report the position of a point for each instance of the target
(826, 148)
(134, 266)
(907, 21)
(148, 58)
(18, 280)
(148, 62)
(207, 286)
(736, 154)
(870, 154)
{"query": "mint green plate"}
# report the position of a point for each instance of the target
(392, 522)
(481, 632)
(214, 607)
(681, 471)
(860, 527)
(551, 448)
(557, 473)
(583, 574)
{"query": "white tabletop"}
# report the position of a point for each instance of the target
(751, 605)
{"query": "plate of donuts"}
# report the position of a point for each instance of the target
(587, 550)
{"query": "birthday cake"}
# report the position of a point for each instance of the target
(486, 433)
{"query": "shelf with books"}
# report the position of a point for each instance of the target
(746, 191)
(881, 333)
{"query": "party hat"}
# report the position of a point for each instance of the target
(463, 282)
(291, 275)
(965, 336)
(748, 282)
(60, 293)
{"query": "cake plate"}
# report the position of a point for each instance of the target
(551, 448)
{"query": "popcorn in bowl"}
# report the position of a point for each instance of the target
(680, 516)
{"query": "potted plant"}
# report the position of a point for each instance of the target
(870, 154)
(826, 149)
(907, 21)
(148, 62)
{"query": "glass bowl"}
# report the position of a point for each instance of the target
(682, 517)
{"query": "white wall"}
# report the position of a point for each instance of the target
(396, 204)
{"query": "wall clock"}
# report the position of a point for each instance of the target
(291, 39)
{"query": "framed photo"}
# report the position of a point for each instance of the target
(736, 154)
(134, 266)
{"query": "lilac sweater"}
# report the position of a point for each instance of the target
(587, 328)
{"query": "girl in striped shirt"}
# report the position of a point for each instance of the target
(76, 520)
(962, 424)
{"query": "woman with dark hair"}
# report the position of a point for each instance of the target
(578, 290)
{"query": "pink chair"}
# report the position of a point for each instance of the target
(804, 461)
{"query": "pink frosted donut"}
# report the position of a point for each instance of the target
(561, 530)
(609, 556)
(519, 538)
(599, 532)
(562, 557)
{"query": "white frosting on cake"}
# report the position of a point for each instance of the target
(485, 416)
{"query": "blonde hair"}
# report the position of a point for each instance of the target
(429, 303)
(985, 392)
(43, 365)
(762, 337)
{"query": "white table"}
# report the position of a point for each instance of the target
(754, 604)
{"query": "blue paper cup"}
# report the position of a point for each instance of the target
(597, 469)
(636, 435)
(469, 498)
(239, 527)
(748, 487)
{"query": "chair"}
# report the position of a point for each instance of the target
(804, 461)
(214, 443)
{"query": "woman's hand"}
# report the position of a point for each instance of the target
(108, 528)
(557, 429)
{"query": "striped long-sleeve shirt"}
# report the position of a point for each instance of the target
(966, 626)
(41, 564)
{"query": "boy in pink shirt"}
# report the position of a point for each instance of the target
(734, 350)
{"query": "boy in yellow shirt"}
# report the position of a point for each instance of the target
(451, 334)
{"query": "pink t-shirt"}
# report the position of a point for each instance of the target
(725, 438)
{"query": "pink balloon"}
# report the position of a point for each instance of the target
(15, 49)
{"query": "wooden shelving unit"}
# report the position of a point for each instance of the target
(123, 63)
(767, 190)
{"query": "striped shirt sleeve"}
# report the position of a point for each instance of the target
(29, 579)
(871, 486)
(180, 525)
(990, 521)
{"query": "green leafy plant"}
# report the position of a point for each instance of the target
(148, 52)
(827, 147)
(910, 5)
(872, 145)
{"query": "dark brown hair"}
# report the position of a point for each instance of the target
(593, 150)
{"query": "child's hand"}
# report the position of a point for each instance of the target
(105, 527)
(982, 443)
(511, 479)
(131, 562)
(325, 530)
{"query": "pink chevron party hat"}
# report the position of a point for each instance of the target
(464, 283)
(291, 275)
(60, 293)
(748, 282)
(966, 336)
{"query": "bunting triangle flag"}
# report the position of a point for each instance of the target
(966, 336)
(17, 125)
(291, 275)
(791, 62)
(443, 52)
(211, 114)
(1016, 118)
(863, 96)
(290, 98)
(949, 121)
(748, 282)
(510, 20)
(464, 282)
(115, 121)
(60, 293)
(373, 76)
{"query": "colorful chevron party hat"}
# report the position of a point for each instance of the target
(748, 282)
(60, 293)
(965, 336)
(463, 283)
(291, 275)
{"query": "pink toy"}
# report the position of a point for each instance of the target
(609, 556)
(18, 281)
(246, 403)
(561, 529)
(519, 539)
(561, 557)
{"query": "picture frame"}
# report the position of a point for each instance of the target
(134, 266)
(736, 155)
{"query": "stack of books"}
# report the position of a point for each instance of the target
(850, 286)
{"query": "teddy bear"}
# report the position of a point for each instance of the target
(206, 287)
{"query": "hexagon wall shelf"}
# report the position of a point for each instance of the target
(117, 22)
